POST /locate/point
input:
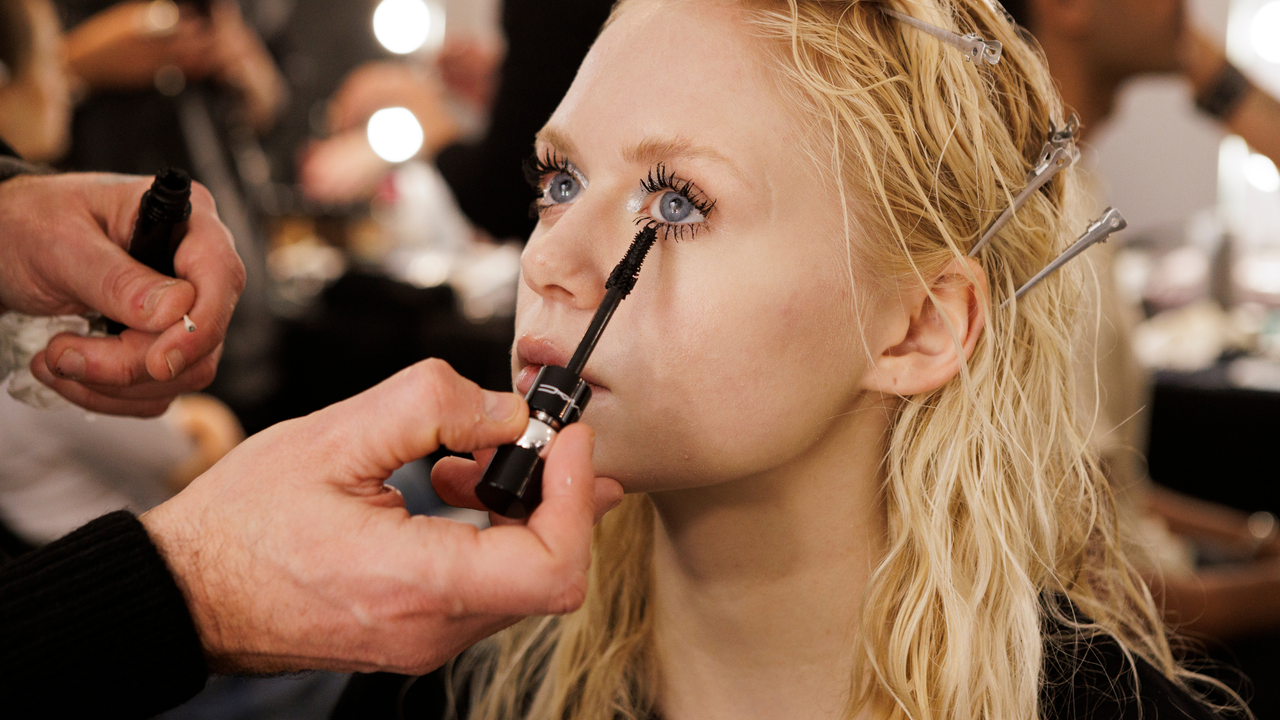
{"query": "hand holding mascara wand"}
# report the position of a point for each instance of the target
(512, 483)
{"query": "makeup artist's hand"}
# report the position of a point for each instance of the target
(61, 252)
(293, 554)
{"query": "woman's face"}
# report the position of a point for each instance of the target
(738, 350)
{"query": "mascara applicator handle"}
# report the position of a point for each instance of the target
(512, 482)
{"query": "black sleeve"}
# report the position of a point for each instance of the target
(546, 43)
(1091, 679)
(94, 625)
(385, 696)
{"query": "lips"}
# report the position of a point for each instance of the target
(532, 353)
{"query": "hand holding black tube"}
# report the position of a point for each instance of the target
(61, 254)
(302, 521)
(160, 227)
(512, 482)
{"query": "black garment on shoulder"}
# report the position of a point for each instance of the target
(1088, 679)
(1091, 679)
(93, 625)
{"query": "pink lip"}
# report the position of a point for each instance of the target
(532, 353)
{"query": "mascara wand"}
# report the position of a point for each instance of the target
(512, 483)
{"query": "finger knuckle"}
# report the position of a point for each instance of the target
(238, 275)
(433, 382)
(118, 282)
(571, 595)
(201, 375)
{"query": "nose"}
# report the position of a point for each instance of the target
(566, 263)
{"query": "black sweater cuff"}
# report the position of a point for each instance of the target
(94, 625)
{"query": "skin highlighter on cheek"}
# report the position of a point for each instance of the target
(512, 483)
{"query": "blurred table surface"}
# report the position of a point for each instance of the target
(1215, 440)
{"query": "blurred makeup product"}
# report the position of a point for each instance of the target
(973, 46)
(512, 482)
(160, 227)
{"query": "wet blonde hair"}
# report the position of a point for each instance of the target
(994, 501)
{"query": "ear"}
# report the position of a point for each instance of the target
(930, 333)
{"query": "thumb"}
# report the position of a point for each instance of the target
(104, 277)
(414, 412)
(564, 519)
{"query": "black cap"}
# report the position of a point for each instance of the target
(512, 483)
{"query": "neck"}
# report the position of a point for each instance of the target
(757, 581)
(1088, 90)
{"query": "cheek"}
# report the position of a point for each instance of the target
(739, 380)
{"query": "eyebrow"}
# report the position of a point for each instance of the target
(649, 151)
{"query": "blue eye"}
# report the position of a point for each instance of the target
(562, 188)
(673, 207)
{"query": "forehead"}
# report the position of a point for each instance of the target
(683, 71)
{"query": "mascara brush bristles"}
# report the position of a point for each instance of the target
(620, 283)
(627, 271)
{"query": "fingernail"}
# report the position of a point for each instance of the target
(153, 298)
(71, 365)
(500, 406)
(175, 361)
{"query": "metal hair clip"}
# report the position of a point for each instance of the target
(971, 45)
(1101, 229)
(1058, 154)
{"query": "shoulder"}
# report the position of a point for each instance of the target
(1092, 677)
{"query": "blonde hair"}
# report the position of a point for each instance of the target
(994, 501)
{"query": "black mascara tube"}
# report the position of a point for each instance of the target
(161, 226)
(512, 482)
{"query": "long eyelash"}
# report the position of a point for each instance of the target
(670, 231)
(536, 167)
(659, 180)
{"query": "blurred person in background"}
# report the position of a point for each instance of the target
(35, 92)
(189, 85)
(135, 58)
(1093, 47)
(518, 87)
(60, 469)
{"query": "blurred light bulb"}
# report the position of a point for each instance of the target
(1262, 173)
(1264, 32)
(402, 26)
(395, 134)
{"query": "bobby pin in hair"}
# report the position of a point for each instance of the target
(1110, 222)
(971, 45)
(1058, 154)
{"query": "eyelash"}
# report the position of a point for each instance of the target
(661, 180)
(539, 165)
